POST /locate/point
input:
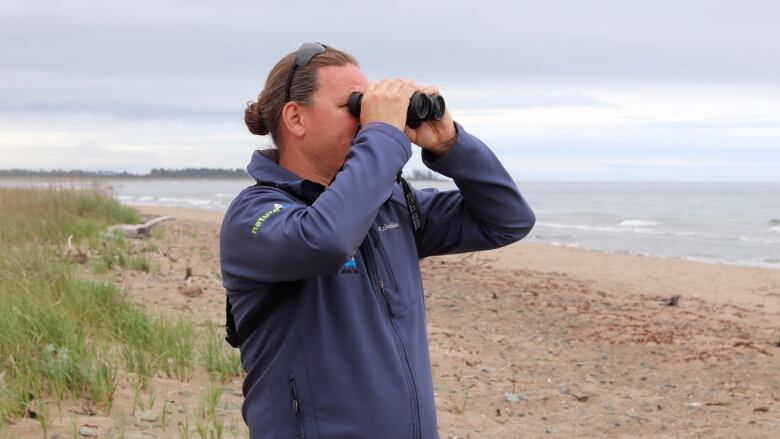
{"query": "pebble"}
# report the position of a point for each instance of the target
(87, 432)
(693, 405)
(149, 416)
(513, 397)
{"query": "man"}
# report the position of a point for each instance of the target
(320, 259)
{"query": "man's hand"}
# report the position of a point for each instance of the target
(437, 136)
(387, 101)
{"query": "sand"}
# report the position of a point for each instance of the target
(526, 341)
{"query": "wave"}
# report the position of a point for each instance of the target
(774, 222)
(560, 244)
(637, 223)
(770, 264)
(613, 229)
(759, 240)
(775, 229)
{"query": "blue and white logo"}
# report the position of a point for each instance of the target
(349, 267)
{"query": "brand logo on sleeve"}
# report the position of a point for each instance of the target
(261, 219)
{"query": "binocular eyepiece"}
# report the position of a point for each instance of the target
(422, 107)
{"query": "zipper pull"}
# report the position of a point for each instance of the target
(294, 395)
(384, 296)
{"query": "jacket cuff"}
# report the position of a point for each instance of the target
(392, 132)
(444, 162)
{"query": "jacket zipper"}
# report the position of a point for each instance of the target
(296, 408)
(381, 248)
(373, 272)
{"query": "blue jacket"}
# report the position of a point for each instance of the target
(345, 355)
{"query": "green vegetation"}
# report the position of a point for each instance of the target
(222, 363)
(63, 337)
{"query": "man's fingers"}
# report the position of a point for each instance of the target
(430, 90)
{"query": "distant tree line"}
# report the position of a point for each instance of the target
(425, 174)
(417, 174)
(154, 173)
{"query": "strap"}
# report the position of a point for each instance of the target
(274, 297)
(414, 214)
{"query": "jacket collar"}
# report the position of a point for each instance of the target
(264, 168)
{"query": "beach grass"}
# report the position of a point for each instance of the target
(62, 336)
(221, 362)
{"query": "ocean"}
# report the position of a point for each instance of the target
(734, 223)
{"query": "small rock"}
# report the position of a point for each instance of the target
(149, 416)
(672, 301)
(87, 431)
(513, 397)
(693, 405)
(761, 409)
(565, 390)
(191, 290)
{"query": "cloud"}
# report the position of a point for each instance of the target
(147, 84)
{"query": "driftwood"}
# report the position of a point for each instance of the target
(75, 254)
(137, 230)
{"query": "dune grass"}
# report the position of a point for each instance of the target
(63, 336)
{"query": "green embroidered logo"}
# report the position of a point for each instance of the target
(259, 223)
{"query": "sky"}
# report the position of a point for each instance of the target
(560, 90)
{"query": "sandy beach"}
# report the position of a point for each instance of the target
(531, 341)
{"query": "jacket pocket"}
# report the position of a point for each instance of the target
(399, 291)
(295, 402)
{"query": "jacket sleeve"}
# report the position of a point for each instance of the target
(268, 236)
(486, 212)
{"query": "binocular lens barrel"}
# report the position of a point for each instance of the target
(422, 107)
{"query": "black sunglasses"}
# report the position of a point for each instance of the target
(305, 53)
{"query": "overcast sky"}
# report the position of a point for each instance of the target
(560, 90)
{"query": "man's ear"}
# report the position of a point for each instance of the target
(293, 119)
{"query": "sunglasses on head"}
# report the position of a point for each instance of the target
(305, 53)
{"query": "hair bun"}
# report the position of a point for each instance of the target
(254, 120)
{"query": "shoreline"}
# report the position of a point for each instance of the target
(212, 215)
(723, 283)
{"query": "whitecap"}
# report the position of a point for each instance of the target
(637, 223)
(759, 240)
(775, 229)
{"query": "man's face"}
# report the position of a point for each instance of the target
(329, 125)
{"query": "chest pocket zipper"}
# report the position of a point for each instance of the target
(296, 408)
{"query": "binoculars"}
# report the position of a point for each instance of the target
(422, 107)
